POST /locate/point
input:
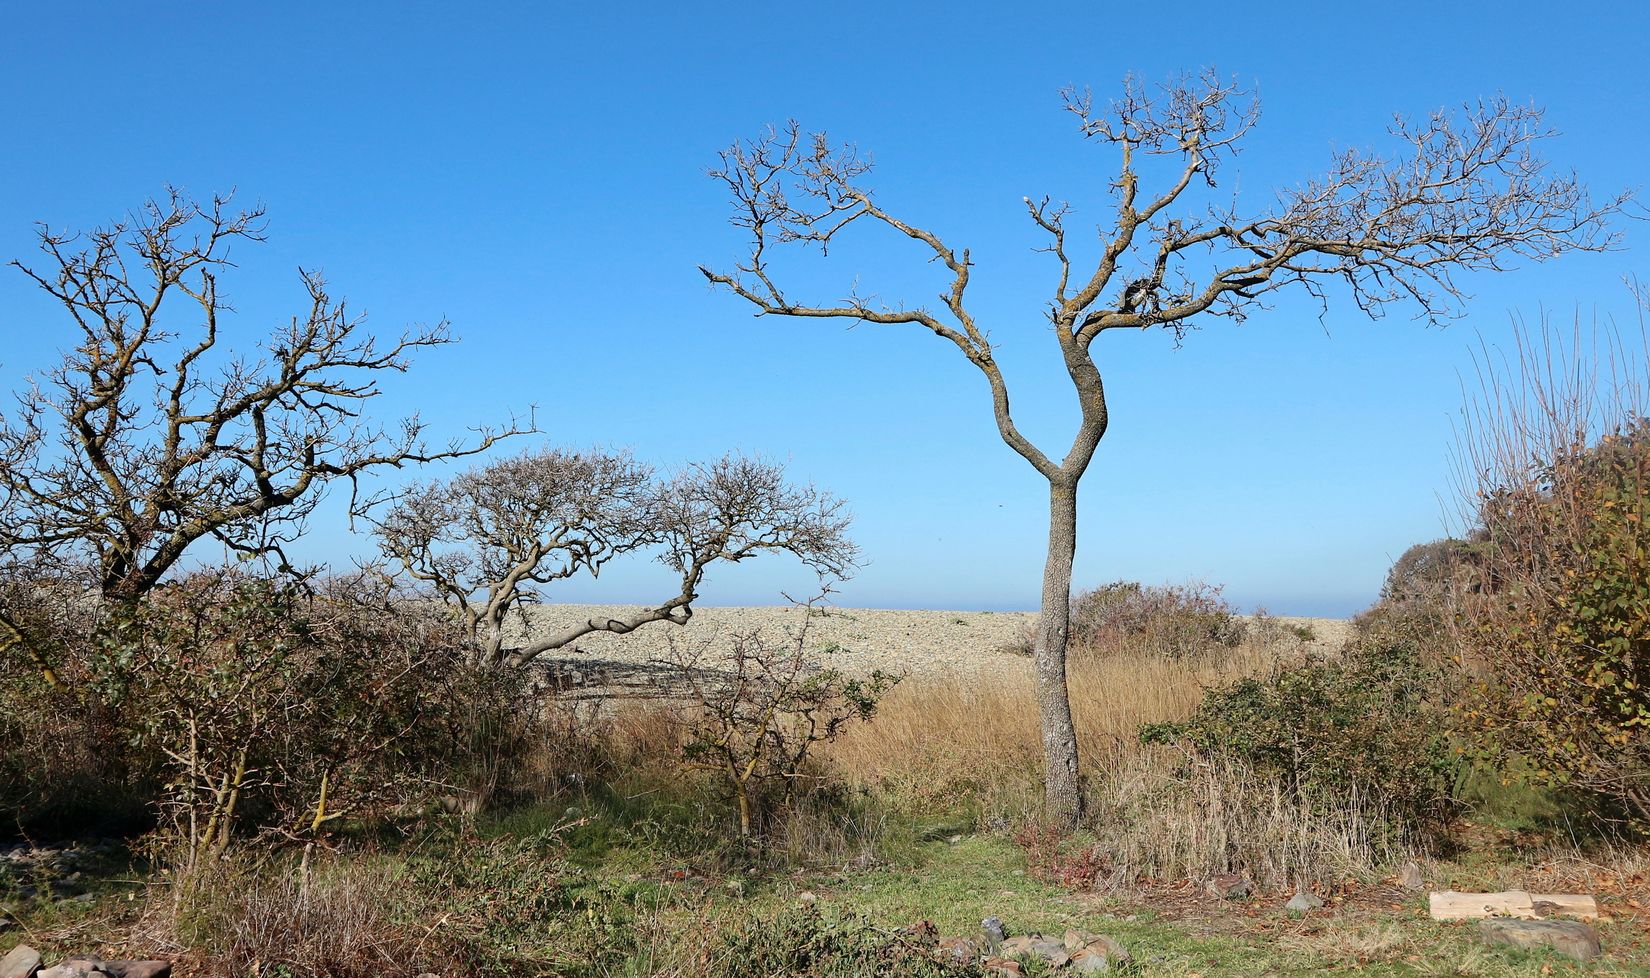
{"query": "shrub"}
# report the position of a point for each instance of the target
(267, 704)
(1174, 620)
(1428, 574)
(753, 721)
(806, 943)
(1369, 724)
(1554, 459)
(1562, 635)
(67, 766)
(229, 704)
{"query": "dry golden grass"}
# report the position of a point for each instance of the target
(935, 739)
(942, 745)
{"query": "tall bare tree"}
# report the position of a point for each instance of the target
(149, 436)
(1464, 192)
(488, 541)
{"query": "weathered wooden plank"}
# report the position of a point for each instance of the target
(1450, 905)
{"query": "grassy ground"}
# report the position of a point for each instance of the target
(649, 893)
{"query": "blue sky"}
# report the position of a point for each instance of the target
(534, 173)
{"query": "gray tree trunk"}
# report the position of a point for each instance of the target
(1063, 795)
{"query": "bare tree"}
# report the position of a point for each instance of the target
(149, 436)
(489, 540)
(1467, 193)
(754, 714)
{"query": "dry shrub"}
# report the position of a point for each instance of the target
(247, 917)
(754, 719)
(451, 905)
(1161, 816)
(1171, 620)
(66, 767)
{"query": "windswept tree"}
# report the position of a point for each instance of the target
(151, 434)
(1463, 192)
(491, 539)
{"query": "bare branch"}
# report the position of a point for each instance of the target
(148, 437)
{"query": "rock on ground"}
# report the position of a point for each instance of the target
(1570, 938)
(21, 961)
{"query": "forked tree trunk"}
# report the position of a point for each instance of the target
(1063, 796)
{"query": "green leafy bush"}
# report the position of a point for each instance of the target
(1560, 633)
(1369, 724)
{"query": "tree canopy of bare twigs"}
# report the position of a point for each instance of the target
(151, 434)
(489, 540)
(1462, 192)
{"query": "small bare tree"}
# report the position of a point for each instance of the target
(487, 541)
(149, 436)
(754, 713)
(1467, 193)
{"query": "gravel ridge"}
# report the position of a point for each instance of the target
(916, 643)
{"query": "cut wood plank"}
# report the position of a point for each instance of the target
(1450, 905)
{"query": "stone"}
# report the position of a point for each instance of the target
(1003, 966)
(1229, 886)
(1037, 946)
(807, 898)
(138, 969)
(21, 961)
(959, 950)
(1100, 955)
(1571, 938)
(992, 928)
(1089, 963)
(74, 968)
(1410, 878)
(1303, 901)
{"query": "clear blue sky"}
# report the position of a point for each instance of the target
(534, 172)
